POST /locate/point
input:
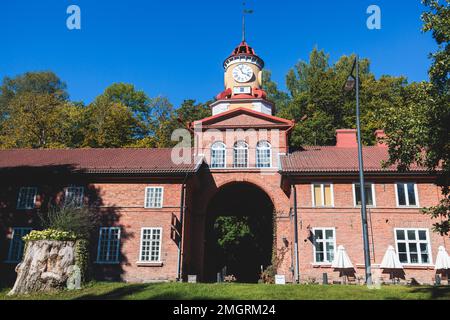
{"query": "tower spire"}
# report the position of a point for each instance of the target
(244, 12)
(243, 25)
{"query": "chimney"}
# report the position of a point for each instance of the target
(380, 137)
(346, 138)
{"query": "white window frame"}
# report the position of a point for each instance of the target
(372, 187)
(10, 249)
(146, 197)
(66, 191)
(418, 242)
(214, 147)
(324, 241)
(259, 148)
(160, 245)
(236, 149)
(108, 250)
(20, 195)
(322, 190)
(416, 194)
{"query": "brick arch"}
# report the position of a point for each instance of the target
(269, 184)
(264, 185)
(247, 181)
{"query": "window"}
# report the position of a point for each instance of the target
(407, 194)
(324, 245)
(322, 195)
(369, 190)
(413, 246)
(74, 196)
(263, 155)
(153, 197)
(16, 245)
(26, 198)
(150, 245)
(218, 155)
(240, 159)
(108, 245)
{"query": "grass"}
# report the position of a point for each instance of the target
(155, 291)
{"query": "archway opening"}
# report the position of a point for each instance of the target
(239, 233)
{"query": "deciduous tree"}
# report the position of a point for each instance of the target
(420, 131)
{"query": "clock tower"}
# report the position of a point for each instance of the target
(243, 82)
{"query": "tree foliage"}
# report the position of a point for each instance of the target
(38, 121)
(316, 101)
(108, 124)
(35, 113)
(418, 131)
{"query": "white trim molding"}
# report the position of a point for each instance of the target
(159, 203)
(322, 188)
(152, 230)
(405, 188)
(372, 187)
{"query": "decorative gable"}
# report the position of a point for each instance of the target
(242, 118)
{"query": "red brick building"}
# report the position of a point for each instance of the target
(240, 166)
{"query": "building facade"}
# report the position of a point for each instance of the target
(158, 208)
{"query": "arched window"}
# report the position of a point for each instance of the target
(263, 155)
(218, 155)
(240, 156)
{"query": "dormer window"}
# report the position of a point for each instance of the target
(240, 158)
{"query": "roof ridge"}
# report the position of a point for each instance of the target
(70, 149)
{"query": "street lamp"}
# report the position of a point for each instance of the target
(353, 83)
(350, 83)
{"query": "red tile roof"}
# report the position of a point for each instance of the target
(124, 160)
(328, 159)
(310, 160)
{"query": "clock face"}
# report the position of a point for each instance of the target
(242, 73)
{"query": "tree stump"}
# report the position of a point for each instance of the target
(46, 266)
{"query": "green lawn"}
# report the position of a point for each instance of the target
(116, 290)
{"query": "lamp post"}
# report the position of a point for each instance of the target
(353, 83)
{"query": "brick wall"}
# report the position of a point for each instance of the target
(121, 203)
(383, 219)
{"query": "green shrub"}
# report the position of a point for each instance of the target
(78, 220)
(82, 259)
(50, 234)
(268, 275)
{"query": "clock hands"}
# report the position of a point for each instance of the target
(242, 73)
(248, 74)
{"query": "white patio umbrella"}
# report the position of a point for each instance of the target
(442, 260)
(390, 261)
(341, 260)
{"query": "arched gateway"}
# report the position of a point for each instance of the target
(238, 232)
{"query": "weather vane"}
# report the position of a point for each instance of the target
(244, 12)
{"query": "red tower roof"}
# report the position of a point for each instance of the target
(243, 50)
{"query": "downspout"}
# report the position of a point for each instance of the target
(296, 263)
(182, 209)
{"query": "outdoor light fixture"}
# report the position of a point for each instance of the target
(351, 84)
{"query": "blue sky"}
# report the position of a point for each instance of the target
(176, 48)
